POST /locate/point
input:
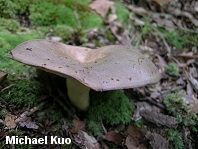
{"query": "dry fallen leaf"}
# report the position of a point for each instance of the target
(64, 126)
(135, 133)
(84, 141)
(77, 125)
(159, 119)
(157, 141)
(117, 138)
(27, 122)
(131, 143)
(140, 106)
(163, 2)
(101, 6)
(161, 62)
(194, 107)
(9, 121)
(135, 138)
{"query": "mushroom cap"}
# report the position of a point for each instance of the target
(106, 68)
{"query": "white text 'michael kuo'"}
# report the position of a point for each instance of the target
(27, 140)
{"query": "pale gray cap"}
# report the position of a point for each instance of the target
(107, 68)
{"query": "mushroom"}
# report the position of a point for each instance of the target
(107, 68)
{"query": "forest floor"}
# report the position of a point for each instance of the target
(161, 116)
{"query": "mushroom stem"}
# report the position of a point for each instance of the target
(78, 93)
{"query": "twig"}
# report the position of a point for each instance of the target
(3, 101)
(7, 87)
(160, 105)
(140, 22)
(192, 80)
(103, 127)
(174, 12)
(163, 39)
(2, 146)
(29, 112)
(178, 12)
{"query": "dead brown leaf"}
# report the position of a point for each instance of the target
(194, 107)
(84, 141)
(161, 62)
(131, 143)
(135, 138)
(135, 133)
(189, 55)
(140, 106)
(193, 71)
(10, 121)
(189, 89)
(101, 6)
(159, 119)
(77, 125)
(194, 82)
(163, 2)
(47, 122)
(103, 145)
(115, 137)
(185, 14)
(157, 141)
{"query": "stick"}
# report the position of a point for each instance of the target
(29, 112)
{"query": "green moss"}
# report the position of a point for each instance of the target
(122, 13)
(172, 69)
(43, 30)
(24, 92)
(79, 36)
(178, 108)
(9, 24)
(174, 40)
(86, 18)
(92, 21)
(175, 139)
(109, 35)
(4, 44)
(80, 6)
(179, 38)
(46, 13)
(13, 8)
(139, 124)
(63, 31)
(7, 42)
(144, 31)
(111, 107)
(7, 8)
(95, 128)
